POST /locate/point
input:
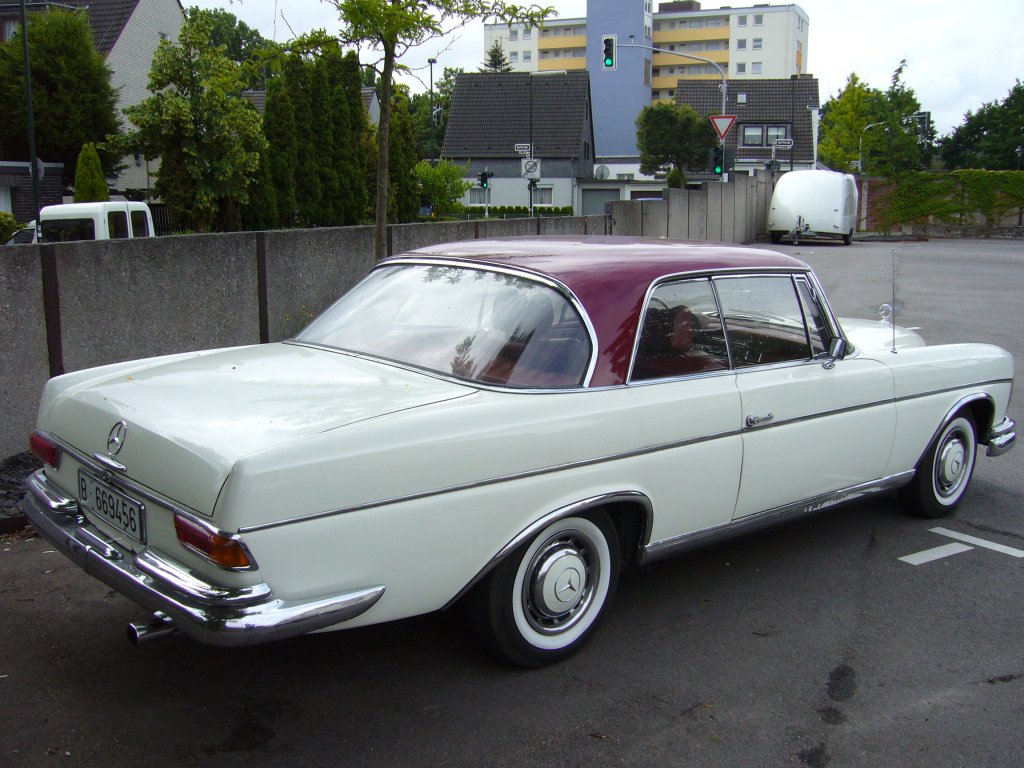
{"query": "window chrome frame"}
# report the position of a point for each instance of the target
(480, 266)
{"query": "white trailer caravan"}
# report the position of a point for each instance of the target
(813, 204)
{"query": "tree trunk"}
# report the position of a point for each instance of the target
(380, 235)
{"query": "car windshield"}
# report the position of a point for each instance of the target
(474, 324)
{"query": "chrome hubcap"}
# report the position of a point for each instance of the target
(560, 586)
(951, 465)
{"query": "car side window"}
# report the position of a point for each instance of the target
(117, 222)
(140, 225)
(817, 329)
(763, 320)
(681, 333)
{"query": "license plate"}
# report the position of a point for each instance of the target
(112, 506)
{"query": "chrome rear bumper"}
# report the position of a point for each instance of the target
(1001, 437)
(206, 612)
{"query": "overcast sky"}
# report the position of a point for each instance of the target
(959, 55)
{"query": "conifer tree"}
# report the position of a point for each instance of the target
(90, 185)
(279, 127)
(496, 61)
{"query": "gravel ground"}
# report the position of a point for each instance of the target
(13, 471)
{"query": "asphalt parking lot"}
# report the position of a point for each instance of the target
(828, 642)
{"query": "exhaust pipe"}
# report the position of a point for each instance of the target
(159, 627)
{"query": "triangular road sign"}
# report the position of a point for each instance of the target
(722, 124)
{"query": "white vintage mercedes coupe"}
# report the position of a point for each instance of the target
(505, 424)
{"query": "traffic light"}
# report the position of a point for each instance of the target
(608, 52)
(482, 179)
(717, 160)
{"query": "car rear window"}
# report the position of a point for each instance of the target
(484, 326)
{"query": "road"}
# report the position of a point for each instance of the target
(812, 644)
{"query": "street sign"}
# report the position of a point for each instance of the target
(722, 124)
(531, 168)
(523, 149)
(783, 143)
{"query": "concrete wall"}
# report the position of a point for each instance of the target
(735, 212)
(68, 306)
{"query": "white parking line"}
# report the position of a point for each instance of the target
(978, 542)
(919, 558)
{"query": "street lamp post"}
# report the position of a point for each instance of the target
(860, 152)
(721, 73)
(432, 62)
(532, 185)
(33, 159)
(1019, 151)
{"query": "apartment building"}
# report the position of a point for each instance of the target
(759, 42)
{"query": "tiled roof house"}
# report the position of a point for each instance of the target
(765, 110)
(492, 113)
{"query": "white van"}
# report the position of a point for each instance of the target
(95, 221)
(813, 204)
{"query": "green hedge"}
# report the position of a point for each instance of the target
(955, 197)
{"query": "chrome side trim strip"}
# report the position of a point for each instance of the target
(109, 463)
(490, 481)
(605, 459)
(687, 541)
(633, 497)
(214, 615)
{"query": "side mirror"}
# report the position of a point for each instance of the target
(836, 351)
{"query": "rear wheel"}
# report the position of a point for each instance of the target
(942, 477)
(543, 602)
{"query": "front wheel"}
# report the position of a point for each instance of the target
(542, 603)
(944, 473)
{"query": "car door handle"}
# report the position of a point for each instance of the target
(757, 421)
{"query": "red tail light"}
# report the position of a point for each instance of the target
(44, 449)
(220, 550)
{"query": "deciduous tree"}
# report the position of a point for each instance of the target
(442, 185)
(988, 139)
(208, 137)
(673, 137)
(394, 26)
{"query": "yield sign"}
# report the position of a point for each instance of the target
(722, 124)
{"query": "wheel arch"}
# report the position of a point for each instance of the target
(982, 409)
(631, 513)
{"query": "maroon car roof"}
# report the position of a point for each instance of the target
(610, 276)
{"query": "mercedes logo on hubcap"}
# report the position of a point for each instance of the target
(115, 440)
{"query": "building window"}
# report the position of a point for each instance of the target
(755, 68)
(513, 35)
(741, 21)
(741, 98)
(527, 34)
(757, 43)
(741, 45)
(647, 71)
(671, 94)
(542, 196)
(753, 136)
(741, 68)
(624, 176)
(513, 57)
(758, 19)
(774, 132)
(579, 53)
(478, 196)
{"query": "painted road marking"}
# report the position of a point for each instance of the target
(978, 542)
(919, 558)
(962, 544)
